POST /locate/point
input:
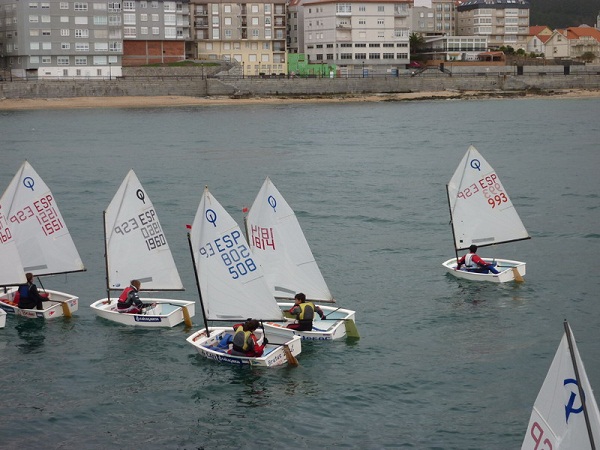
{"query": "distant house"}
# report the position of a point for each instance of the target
(573, 42)
(538, 36)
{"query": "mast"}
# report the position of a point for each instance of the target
(198, 286)
(106, 258)
(451, 223)
(579, 387)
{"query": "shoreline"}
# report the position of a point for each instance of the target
(182, 101)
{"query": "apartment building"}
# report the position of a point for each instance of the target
(437, 20)
(53, 39)
(156, 32)
(367, 35)
(253, 34)
(503, 22)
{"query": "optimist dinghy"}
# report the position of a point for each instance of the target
(136, 248)
(30, 216)
(565, 415)
(279, 245)
(481, 213)
(232, 288)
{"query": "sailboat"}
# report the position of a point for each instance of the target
(137, 249)
(279, 245)
(232, 288)
(481, 213)
(565, 414)
(44, 244)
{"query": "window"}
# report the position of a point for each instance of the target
(227, 9)
(45, 32)
(82, 47)
(255, 33)
(360, 56)
(101, 46)
(100, 60)
(255, 21)
(34, 19)
(128, 6)
(155, 31)
(46, 45)
(170, 19)
(34, 46)
(80, 6)
(46, 59)
(34, 59)
(388, 56)
(62, 60)
(82, 34)
(144, 17)
(100, 6)
(171, 33)
(129, 32)
(64, 5)
(144, 30)
(254, 9)
(114, 6)
(374, 56)
(64, 19)
(33, 5)
(115, 46)
(100, 20)
(65, 46)
(45, 5)
(343, 8)
(81, 20)
(154, 17)
(380, 21)
(128, 19)
(33, 32)
(380, 8)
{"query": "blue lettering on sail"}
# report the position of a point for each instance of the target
(569, 406)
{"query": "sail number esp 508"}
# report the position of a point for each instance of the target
(234, 253)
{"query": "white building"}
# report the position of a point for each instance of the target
(55, 39)
(367, 35)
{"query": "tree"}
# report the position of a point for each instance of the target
(417, 42)
(588, 57)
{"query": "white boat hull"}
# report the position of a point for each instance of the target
(2, 318)
(59, 304)
(274, 351)
(334, 327)
(505, 266)
(167, 313)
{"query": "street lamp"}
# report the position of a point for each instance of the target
(243, 68)
(109, 71)
(363, 69)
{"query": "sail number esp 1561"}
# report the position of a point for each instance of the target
(233, 252)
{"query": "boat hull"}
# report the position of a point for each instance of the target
(274, 354)
(2, 318)
(166, 314)
(505, 266)
(334, 327)
(59, 304)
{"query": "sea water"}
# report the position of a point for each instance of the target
(441, 363)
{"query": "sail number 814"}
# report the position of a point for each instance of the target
(234, 254)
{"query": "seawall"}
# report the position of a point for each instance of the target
(201, 86)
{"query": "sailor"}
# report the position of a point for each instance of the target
(304, 312)
(29, 297)
(245, 342)
(129, 300)
(473, 263)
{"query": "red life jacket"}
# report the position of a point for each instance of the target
(125, 294)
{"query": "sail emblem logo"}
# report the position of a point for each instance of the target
(569, 407)
(140, 194)
(211, 216)
(272, 202)
(28, 183)
(476, 164)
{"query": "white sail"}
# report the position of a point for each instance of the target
(557, 420)
(232, 284)
(482, 212)
(280, 246)
(40, 232)
(11, 267)
(135, 242)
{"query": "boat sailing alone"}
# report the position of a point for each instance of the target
(232, 288)
(279, 245)
(565, 414)
(136, 248)
(481, 213)
(30, 215)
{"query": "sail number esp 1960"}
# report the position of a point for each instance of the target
(148, 225)
(233, 252)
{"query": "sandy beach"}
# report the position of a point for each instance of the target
(178, 101)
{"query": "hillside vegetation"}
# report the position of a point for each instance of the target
(562, 13)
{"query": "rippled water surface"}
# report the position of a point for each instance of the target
(442, 363)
